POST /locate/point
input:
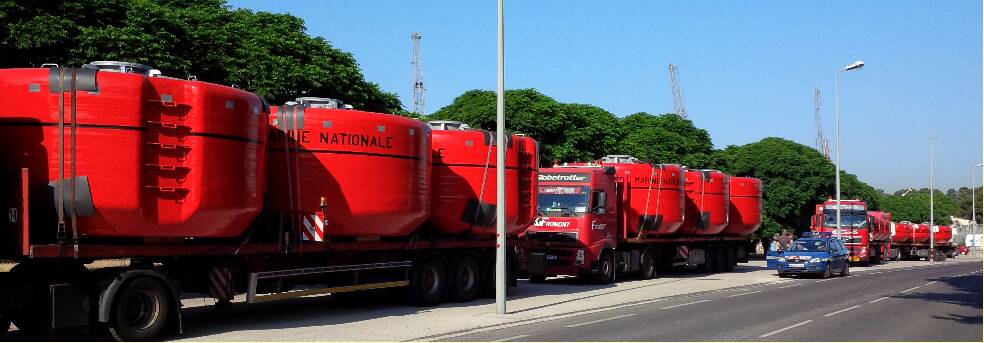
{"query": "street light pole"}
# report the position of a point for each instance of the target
(837, 139)
(973, 210)
(932, 226)
(500, 177)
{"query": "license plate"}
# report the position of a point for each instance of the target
(797, 265)
(551, 257)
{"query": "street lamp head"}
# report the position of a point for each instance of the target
(855, 65)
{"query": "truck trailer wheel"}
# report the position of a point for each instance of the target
(731, 258)
(466, 279)
(428, 282)
(606, 269)
(141, 311)
(647, 264)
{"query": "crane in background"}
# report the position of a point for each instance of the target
(417, 75)
(678, 105)
(821, 140)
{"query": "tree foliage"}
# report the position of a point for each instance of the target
(914, 207)
(794, 177)
(566, 132)
(666, 138)
(266, 53)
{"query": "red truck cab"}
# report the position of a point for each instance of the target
(856, 230)
(577, 220)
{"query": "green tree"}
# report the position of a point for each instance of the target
(914, 207)
(795, 177)
(567, 132)
(266, 53)
(665, 138)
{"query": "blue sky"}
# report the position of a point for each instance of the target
(747, 68)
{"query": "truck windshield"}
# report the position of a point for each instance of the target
(808, 245)
(563, 200)
(847, 220)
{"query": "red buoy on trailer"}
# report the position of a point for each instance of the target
(464, 186)
(707, 202)
(653, 194)
(529, 166)
(341, 172)
(942, 234)
(152, 156)
(745, 209)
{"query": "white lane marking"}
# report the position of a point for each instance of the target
(844, 310)
(599, 320)
(738, 295)
(824, 280)
(684, 304)
(877, 300)
(785, 328)
(539, 320)
(793, 285)
(910, 289)
(511, 338)
(930, 283)
(876, 273)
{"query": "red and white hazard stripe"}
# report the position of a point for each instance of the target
(220, 283)
(683, 251)
(314, 228)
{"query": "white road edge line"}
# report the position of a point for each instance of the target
(930, 283)
(684, 304)
(844, 310)
(910, 289)
(510, 338)
(793, 285)
(785, 328)
(877, 300)
(599, 320)
(738, 295)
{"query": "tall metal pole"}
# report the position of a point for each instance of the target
(932, 225)
(973, 210)
(500, 178)
(837, 149)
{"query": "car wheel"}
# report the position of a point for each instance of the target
(826, 271)
(846, 270)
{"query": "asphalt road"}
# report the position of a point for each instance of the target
(924, 303)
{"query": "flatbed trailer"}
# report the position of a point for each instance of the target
(50, 291)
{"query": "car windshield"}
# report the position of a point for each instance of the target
(847, 220)
(563, 200)
(808, 245)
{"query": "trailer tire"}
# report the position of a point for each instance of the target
(647, 264)
(466, 279)
(730, 258)
(606, 269)
(141, 311)
(428, 281)
(537, 278)
(4, 324)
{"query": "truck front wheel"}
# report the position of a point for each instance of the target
(141, 311)
(606, 269)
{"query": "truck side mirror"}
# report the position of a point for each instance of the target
(600, 202)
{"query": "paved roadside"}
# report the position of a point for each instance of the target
(321, 318)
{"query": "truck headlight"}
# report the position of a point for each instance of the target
(579, 257)
(815, 260)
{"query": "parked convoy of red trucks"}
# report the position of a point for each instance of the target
(873, 237)
(620, 214)
(205, 188)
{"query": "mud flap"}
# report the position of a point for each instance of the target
(479, 213)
